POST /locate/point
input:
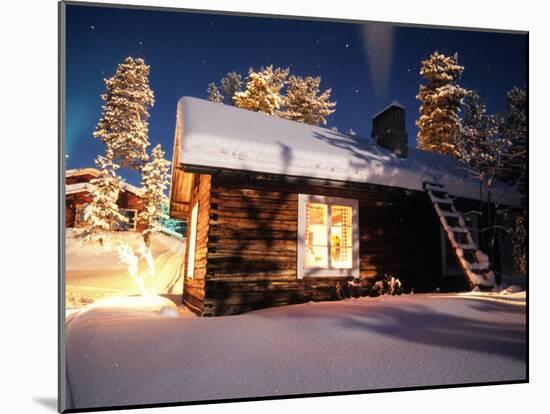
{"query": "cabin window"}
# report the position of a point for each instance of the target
(192, 241)
(328, 236)
(130, 224)
(79, 215)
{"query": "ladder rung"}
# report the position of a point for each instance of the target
(458, 230)
(468, 246)
(435, 187)
(441, 200)
(450, 214)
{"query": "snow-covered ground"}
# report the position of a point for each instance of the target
(138, 356)
(95, 272)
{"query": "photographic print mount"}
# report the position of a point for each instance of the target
(326, 194)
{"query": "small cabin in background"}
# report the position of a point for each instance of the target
(78, 193)
(280, 212)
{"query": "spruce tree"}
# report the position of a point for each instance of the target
(441, 98)
(123, 125)
(155, 179)
(304, 102)
(514, 129)
(101, 216)
(263, 90)
(230, 85)
(214, 94)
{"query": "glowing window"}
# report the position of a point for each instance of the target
(192, 241)
(328, 239)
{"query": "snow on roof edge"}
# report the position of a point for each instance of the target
(87, 186)
(75, 172)
(393, 103)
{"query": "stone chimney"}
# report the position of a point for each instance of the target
(388, 129)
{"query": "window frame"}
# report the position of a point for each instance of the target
(302, 270)
(192, 238)
(78, 210)
(124, 224)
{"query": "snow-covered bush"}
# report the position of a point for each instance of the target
(388, 285)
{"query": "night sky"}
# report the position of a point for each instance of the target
(366, 65)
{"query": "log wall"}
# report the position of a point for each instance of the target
(251, 243)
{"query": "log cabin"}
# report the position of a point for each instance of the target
(78, 193)
(281, 212)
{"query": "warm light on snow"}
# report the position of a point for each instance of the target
(150, 303)
(131, 259)
(148, 300)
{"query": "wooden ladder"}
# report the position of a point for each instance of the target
(473, 262)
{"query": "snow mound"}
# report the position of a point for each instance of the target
(169, 312)
(154, 304)
(513, 289)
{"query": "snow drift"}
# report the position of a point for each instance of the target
(124, 357)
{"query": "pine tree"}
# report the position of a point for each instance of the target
(263, 90)
(102, 215)
(441, 98)
(214, 94)
(303, 102)
(123, 125)
(514, 129)
(155, 179)
(230, 85)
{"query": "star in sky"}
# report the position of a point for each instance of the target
(92, 27)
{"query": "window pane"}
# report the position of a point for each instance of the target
(341, 257)
(340, 215)
(79, 219)
(340, 237)
(316, 225)
(316, 235)
(130, 217)
(316, 213)
(316, 256)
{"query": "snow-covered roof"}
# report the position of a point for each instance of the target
(394, 103)
(82, 171)
(224, 137)
(79, 188)
(88, 187)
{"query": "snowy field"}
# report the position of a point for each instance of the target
(124, 357)
(95, 272)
